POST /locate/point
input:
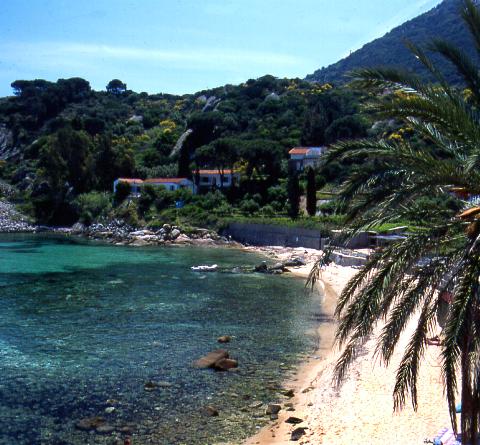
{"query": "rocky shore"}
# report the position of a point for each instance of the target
(119, 233)
(13, 221)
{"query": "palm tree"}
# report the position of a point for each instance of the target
(407, 279)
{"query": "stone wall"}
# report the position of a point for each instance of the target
(272, 235)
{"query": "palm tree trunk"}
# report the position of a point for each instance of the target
(469, 416)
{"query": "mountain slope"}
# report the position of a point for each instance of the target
(443, 21)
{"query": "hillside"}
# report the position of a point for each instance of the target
(60, 140)
(443, 22)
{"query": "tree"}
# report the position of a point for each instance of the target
(122, 191)
(440, 261)
(293, 189)
(116, 86)
(311, 192)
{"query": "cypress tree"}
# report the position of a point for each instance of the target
(293, 189)
(311, 193)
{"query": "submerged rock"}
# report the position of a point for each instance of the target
(90, 423)
(210, 411)
(225, 364)
(209, 360)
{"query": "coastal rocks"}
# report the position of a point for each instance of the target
(225, 364)
(276, 269)
(13, 221)
(288, 393)
(209, 360)
(218, 360)
(273, 408)
(294, 420)
(297, 433)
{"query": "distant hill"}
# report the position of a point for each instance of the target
(443, 21)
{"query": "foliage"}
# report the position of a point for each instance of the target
(311, 192)
(293, 188)
(122, 191)
(93, 205)
(409, 279)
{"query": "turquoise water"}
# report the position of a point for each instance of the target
(83, 327)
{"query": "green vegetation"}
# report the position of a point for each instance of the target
(438, 264)
(67, 140)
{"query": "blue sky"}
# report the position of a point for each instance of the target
(182, 46)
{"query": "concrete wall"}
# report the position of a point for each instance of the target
(271, 235)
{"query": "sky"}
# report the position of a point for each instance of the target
(183, 46)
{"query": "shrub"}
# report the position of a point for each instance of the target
(93, 205)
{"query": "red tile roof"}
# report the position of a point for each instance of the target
(164, 180)
(299, 151)
(216, 172)
(131, 180)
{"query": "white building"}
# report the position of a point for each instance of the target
(303, 157)
(171, 184)
(214, 179)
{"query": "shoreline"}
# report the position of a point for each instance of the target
(361, 409)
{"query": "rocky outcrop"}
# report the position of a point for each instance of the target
(7, 148)
(118, 232)
(11, 220)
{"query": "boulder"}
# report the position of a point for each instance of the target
(294, 262)
(288, 392)
(105, 429)
(225, 364)
(297, 433)
(167, 227)
(175, 233)
(262, 268)
(150, 386)
(294, 420)
(224, 339)
(273, 408)
(209, 360)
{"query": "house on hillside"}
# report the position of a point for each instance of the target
(303, 157)
(135, 185)
(171, 184)
(210, 179)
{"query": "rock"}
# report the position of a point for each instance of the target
(294, 420)
(109, 409)
(294, 262)
(224, 339)
(209, 360)
(210, 411)
(225, 364)
(167, 227)
(273, 416)
(90, 423)
(183, 239)
(273, 409)
(175, 233)
(276, 266)
(262, 268)
(288, 393)
(164, 384)
(297, 433)
(126, 429)
(105, 429)
(150, 386)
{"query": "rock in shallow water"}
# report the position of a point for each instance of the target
(209, 360)
(90, 423)
(225, 364)
(224, 339)
(297, 434)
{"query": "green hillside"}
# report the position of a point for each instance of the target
(443, 22)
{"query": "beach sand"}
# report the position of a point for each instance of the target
(361, 410)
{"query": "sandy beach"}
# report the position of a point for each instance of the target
(361, 410)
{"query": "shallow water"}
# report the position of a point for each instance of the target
(86, 323)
